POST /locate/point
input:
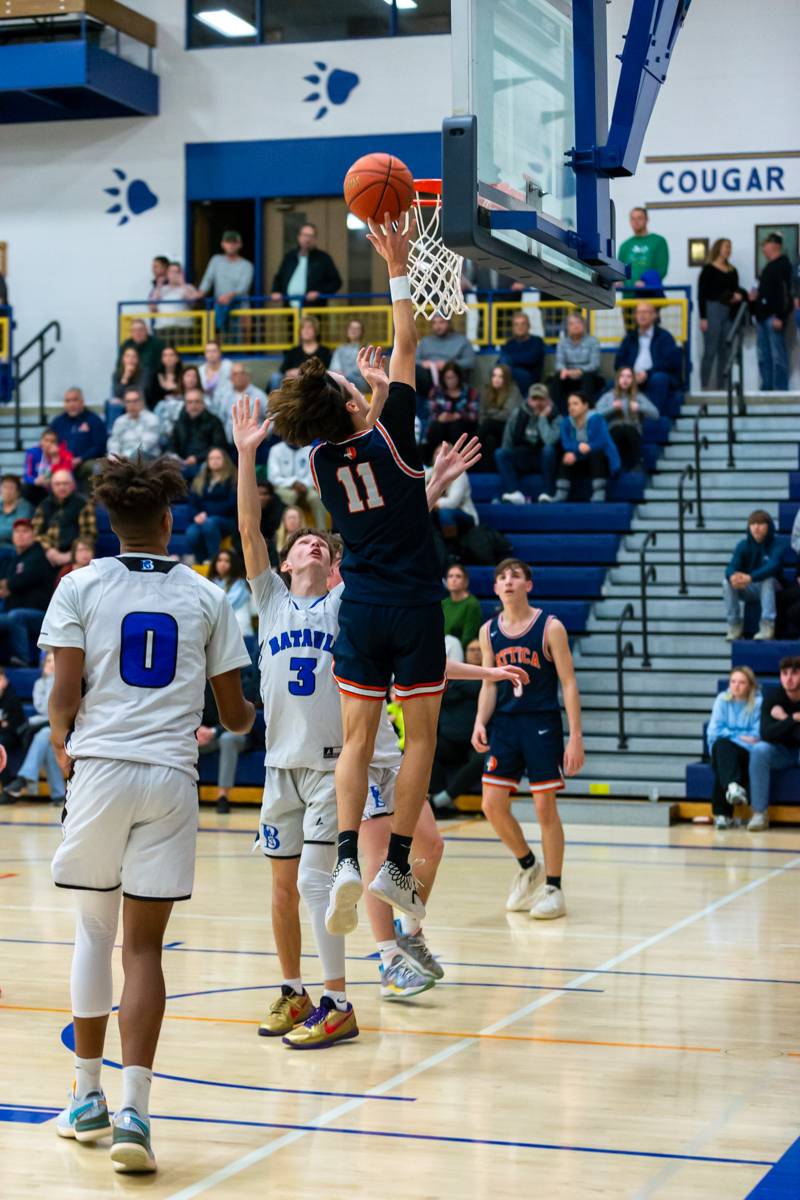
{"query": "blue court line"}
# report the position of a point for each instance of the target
(782, 1182)
(27, 1114)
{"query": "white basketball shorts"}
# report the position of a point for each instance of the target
(299, 807)
(128, 824)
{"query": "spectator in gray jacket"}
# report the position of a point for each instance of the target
(529, 444)
(577, 363)
(442, 345)
(228, 277)
(625, 409)
(137, 431)
(344, 357)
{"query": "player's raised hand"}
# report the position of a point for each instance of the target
(371, 362)
(516, 676)
(391, 241)
(249, 431)
(452, 461)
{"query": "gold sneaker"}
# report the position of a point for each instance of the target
(324, 1026)
(286, 1012)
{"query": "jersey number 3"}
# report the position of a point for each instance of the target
(347, 478)
(148, 649)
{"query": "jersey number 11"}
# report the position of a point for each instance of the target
(347, 478)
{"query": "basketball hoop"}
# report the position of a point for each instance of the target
(434, 272)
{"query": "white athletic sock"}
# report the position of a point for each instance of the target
(295, 984)
(409, 925)
(136, 1090)
(338, 998)
(87, 1076)
(388, 950)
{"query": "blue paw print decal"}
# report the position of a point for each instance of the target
(134, 199)
(334, 87)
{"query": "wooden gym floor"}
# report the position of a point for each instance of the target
(647, 1045)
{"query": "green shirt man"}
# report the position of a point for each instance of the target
(644, 251)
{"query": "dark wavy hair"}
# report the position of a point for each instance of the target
(137, 492)
(310, 407)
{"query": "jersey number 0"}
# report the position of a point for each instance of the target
(347, 478)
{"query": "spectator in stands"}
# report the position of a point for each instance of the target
(588, 451)
(166, 413)
(171, 298)
(308, 347)
(732, 732)
(191, 381)
(169, 381)
(529, 445)
(62, 517)
(272, 509)
(227, 572)
(779, 747)
(307, 273)
(40, 753)
(40, 463)
(224, 400)
(454, 512)
(12, 506)
(81, 554)
(454, 408)
(500, 397)
(462, 610)
(577, 363)
(228, 277)
(344, 357)
(718, 297)
(289, 472)
(195, 432)
(443, 345)
(149, 348)
(292, 519)
(625, 409)
(83, 432)
(752, 576)
(158, 269)
(644, 251)
(771, 303)
(212, 497)
(26, 585)
(215, 373)
(654, 356)
(787, 626)
(523, 353)
(12, 723)
(211, 736)
(137, 431)
(129, 374)
(457, 767)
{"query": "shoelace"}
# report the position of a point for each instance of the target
(402, 879)
(341, 865)
(320, 1012)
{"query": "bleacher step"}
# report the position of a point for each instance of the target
(645, 702)
(649, 725)
(667, 573)
(726, 485)
(663, 687)
(624, 764)
(662, 663)
(684, 649)
(578, 808)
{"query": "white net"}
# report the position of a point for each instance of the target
(434, 272)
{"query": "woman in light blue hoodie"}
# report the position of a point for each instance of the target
(732, 732)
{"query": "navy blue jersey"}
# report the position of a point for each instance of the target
(529, 650)
(373, 485)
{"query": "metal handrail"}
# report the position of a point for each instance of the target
(700, 444)
(623, 652)
(684, 506)
(45, 352)
(647, 574)
(735, 357)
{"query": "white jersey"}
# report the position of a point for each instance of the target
(152, 631)
(302, 711)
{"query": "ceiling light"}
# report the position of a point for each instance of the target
(402, 3)
(223, 21)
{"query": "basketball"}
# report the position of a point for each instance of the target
(378, 184)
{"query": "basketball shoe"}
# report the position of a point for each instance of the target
(131, 1152)
(398, 889)
(523, 888)
(549, 904)
(415, 948)
(324, 1027)
(401, 979)
(286, 1012)
(86, 1119)
(346, 888)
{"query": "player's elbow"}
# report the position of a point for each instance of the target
(238, 719)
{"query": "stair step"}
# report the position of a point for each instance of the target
(679, 607)
(667, 688)
(684, 648)
(646, 702)
(660, 591)
(724, 485)
(698, 542)
(627, 789)
(668, 745)
(626, 764)
(650, 725)
(678, 668)
(627, 574)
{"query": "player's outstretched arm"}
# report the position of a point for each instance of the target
(559, 651)
(65, 699)
(393, 247)
(451, 462)
(371, 362)
(235, 713)
(517, 676)
(487, 697)
(249, 431)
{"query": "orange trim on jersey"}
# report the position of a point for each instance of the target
(364, 691)
(420, 689)
(415, 474)
(537, 612)
(498, 781)
(551, 785)
(403, 687)
(314, 469)
(545, 651)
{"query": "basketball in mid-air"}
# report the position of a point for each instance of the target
(378, 184)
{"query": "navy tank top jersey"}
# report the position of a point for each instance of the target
(373, 485)
(528, 650)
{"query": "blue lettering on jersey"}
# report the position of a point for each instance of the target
(377, 799)
(316, 639)
(270, 837)
(147, 564)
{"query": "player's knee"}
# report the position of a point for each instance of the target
(285, 894)
(491, 806)
(546, 808)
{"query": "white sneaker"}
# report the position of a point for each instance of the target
(549, 904)
(736, 794)
(86, 1119)
(513, 498)
(766, 632)
(723, 822)
(734, 632)
(523, 888)
(757, 822)
(398, 889)
(341, 915)
(546, 498)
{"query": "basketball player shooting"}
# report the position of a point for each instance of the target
(370, 476)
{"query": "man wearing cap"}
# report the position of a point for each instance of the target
(228, 277)
(529, 444)
(771, 304)
(306, 273)
(26, 585)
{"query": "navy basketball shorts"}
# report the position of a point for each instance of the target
(378, 645)
(529, 744)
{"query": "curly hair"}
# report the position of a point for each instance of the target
(310, 407)
(137, 492)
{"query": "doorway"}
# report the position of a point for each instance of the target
(209, 220)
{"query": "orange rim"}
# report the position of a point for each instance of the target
(433, 188)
